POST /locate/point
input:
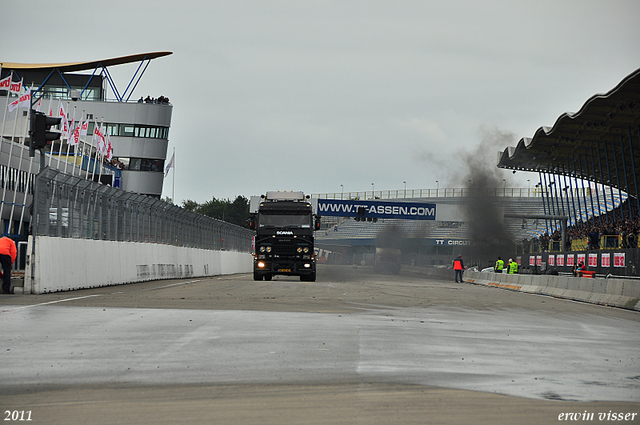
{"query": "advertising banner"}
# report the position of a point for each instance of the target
(619, 259)
(582, 258)
(376, 209)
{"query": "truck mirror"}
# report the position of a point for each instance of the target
(317, 224)
(252, 224)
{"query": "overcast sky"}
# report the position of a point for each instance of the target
(299, 95)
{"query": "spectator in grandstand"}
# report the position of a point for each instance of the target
(618, 223)
(8, 255)
(594, 238)
(633, 240)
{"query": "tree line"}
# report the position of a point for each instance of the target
(235, 212)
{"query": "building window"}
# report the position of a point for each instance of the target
(141, 164)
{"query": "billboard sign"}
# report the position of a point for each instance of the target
(387, 209)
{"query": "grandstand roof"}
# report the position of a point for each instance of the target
(592, 144)
(84, 66)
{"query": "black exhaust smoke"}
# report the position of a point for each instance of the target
(485, 184)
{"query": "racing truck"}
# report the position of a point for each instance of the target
(284, 244)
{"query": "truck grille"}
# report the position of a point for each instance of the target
(284, 248)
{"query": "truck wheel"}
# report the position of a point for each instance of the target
(257, 276)
(308, 278)
(267, 277)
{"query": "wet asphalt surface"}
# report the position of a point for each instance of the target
(294, 346)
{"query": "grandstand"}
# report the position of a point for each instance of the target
(588, 165)
(347, 232)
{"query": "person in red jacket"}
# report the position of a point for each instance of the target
(8, 254)
(458, 267)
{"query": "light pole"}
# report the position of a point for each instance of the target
(341, 191)
(405, 188)
(373, 191)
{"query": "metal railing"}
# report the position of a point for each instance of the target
(68, 206)
(457, 192)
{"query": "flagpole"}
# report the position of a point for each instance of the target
(95, 128)
(100, 153)
(4, 120)
(69, 144)
(15, 124)
(15, 187)
(53, 142)
(24, 198)
(65, 124)
(6, 106)
(173, 184)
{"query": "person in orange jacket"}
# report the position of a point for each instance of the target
(8, 253)
(458, 267)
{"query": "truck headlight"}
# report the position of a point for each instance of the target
(261, 264)
(269, 249)
(299, 250)
(262, 249)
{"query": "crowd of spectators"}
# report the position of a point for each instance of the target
(163, 100)
(114, 162)
(625, 229)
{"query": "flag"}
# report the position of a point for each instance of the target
(5, 83)
(23, 101)
(109, 149)
(169, 165)
(17, 87)
(73, 120)
(97, 137)
(74, 139)
(99, 140)
(84, 128)
(103, 132)
(64, 129)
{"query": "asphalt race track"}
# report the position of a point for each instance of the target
(353, 347)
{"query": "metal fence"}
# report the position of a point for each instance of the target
(71, 207)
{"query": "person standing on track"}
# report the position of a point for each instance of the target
(458, 267)
(8, 254)
(499, 265)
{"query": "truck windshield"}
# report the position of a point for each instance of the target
(285, 220)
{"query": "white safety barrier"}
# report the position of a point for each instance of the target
(624, 293)
(63, 264)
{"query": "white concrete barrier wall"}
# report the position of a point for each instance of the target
(61, 264)
(623, 293)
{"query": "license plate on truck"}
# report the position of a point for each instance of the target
(285, 270)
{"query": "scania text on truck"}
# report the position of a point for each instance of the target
(284, 243)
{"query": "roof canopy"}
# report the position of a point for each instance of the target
(102, 65)
(600, 143)
(84, 66)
